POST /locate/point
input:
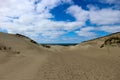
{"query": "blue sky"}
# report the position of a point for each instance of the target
(60, 21)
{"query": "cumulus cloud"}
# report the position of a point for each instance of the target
(100, 17)
(104, 16)
(44, 27)
(79, 13)
(95, 15)
(110, 29)
(86, 32)
(115, 3)
(15, 8)
(32, 18)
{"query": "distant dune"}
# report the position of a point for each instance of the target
(21, 58)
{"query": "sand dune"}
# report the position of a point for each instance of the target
(23, 59)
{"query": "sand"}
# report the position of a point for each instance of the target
(20, 59)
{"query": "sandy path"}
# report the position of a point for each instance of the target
(75, 66)
(65, 65)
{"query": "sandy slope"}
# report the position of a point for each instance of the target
(22, 61)
(28, 61)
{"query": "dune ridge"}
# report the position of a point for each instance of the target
(108, 40)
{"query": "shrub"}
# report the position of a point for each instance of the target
(102, 46)
(18, 52)
(47, 46)
(112, 41)
(33, 41)
(5, 48)
(0, 48)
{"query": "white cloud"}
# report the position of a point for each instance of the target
(110, 29)
(53, 33)
(33, 20)
(86, 32)
(44, 27)
(95, 15)
(79, 13)
(30, 22)
(15, 7)
(115, 3)
(104, 16)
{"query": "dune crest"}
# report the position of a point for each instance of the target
(109, 40)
